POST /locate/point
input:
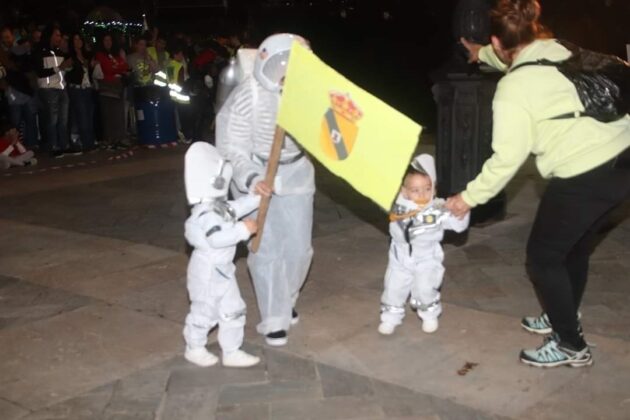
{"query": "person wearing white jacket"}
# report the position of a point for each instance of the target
(213, 229)
(245, 129)
(418, 221)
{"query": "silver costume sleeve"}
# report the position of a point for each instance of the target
(234, 135)
(455, 223)
(222, 236)
(245, 205)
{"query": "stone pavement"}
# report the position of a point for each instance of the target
(92, 302)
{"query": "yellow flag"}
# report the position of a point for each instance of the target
(354, 134)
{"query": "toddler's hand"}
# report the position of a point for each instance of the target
(262, 188)
(251, 225)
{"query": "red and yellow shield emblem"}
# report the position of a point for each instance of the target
(339, 126)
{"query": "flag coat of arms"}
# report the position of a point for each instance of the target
(355, 135)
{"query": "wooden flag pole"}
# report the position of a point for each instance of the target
(270, 176)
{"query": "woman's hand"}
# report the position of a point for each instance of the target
(472, 48)
(457, 206)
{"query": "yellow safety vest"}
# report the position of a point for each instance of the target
(173, 69)
(153, 53)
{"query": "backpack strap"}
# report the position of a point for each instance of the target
(549, 63)
(541, 62)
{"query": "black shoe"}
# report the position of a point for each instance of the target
(277, 338)
(295, 318)
(57, 154)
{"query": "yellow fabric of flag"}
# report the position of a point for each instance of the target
(355, 135)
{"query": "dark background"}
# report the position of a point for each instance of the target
(389, 47)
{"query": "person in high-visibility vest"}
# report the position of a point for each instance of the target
(158, 52)
(177, 68)
(177, 73)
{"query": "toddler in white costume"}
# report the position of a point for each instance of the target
(418, 221)
(213, 229)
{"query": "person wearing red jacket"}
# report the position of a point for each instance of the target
(110, 72)
(12, 152)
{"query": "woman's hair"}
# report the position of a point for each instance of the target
(47, 34)
(115, 47)
(515, 22)
(84, 49)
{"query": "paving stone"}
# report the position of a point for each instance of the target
(74, 352)
(199, 404)
(23, 302)
(269, 392)
(244, 412)
(186, 376)
(7, 281)
(328, 408)
(339, 383)
(285, 367)
(481, 252)
(88, 406)
(10, 411)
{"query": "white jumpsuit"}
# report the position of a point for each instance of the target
(415, 262)
(213, 230)
(245, 131)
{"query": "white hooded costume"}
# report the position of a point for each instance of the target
(244, 134)
(213, 230)
(415, 254)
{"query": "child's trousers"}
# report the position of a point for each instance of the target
(419, 275)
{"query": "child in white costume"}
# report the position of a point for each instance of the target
(213, 230)
(418, 221)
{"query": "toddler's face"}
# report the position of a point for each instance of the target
(417, 188)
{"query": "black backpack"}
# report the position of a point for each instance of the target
(602, 82)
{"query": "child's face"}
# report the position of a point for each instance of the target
(417, 188)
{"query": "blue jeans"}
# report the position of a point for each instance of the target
(82, 112)
(26, 112)
(55, 106)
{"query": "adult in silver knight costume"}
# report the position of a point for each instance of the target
(418, 221)
(245, 129)
(213, 229)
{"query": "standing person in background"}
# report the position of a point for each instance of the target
(20, 93)
(111, 93)
(537, 110)
(81, 91)
(142, 65)
(51, 65)
(177, 72)
(157, 50)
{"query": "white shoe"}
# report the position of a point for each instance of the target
(430, 325)
(200, 357)
(238, 358)
(386, 328)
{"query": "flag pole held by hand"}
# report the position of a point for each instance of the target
(272, 169)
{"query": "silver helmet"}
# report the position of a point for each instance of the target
(272, 60)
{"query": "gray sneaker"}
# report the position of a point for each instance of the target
(551, 354)
(539, 324)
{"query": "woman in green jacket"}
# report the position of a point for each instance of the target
(585, 160)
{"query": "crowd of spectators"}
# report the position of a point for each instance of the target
(67, 93)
